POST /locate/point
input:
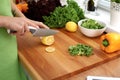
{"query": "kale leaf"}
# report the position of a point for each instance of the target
(61, 15)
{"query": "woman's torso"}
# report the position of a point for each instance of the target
(9, 66)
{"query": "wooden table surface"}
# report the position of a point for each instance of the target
(60, 65)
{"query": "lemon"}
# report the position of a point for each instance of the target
(47, 40)
(50, 49)
(71, 26)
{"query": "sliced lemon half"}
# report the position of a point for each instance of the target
(47, 40)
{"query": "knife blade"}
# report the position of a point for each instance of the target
(38, 32)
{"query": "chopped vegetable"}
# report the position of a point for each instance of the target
(61, 15)
(80, 49)
(91, 24)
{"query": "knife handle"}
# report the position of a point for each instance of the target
(11, 31)
(32, 30)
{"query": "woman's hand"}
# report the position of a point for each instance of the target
(20, 24)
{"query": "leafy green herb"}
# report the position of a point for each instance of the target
(61, 15)
(117, 1)
(73, 4)
(80, 49)
(91, 24)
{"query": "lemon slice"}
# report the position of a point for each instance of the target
(50, 49)
(47, 40)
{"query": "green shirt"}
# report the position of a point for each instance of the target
(9, 65)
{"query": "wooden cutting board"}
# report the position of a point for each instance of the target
(60, 64)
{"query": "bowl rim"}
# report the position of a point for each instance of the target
(100, 22)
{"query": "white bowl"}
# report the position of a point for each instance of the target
(91, 32)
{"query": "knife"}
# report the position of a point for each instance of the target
(39, 32)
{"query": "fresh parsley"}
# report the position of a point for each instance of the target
(61, 15)
(80, 49)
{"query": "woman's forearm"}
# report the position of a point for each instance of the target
(16, 12)
(4, 21)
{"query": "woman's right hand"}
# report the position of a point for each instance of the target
(20, 24)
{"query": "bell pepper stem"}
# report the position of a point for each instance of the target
(105, 42)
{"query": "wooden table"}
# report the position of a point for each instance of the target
(60, 64)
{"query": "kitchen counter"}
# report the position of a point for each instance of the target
(60, 65)
(109, 69)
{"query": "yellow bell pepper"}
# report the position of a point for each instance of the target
(110, 42)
